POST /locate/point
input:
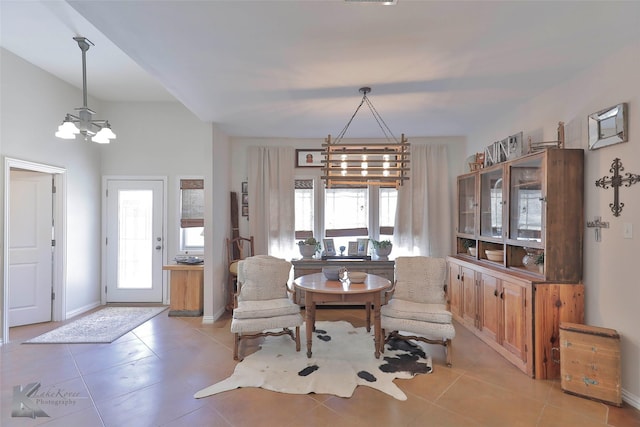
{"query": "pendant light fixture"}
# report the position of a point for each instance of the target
(357, 165)
(98, 131)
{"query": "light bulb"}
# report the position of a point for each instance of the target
(106, 132)
(100, 139)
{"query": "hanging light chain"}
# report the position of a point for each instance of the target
(344, 130)
(380, 120)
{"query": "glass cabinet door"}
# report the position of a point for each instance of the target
(491, 203)
(467, 204)
(526, 201)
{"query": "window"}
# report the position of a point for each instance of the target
(304, 206)
(192, 215)
(343, 214)
(388, 199)
(346, 212)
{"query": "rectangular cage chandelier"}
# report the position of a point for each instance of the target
(361, 164)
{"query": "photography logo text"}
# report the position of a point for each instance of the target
(27, 400)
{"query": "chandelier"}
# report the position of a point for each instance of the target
(98, 130)
(358, 164)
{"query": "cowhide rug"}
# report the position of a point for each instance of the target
(343, 358)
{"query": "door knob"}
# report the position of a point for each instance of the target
(158, 247)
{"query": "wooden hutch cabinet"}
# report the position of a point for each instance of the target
(522, 211)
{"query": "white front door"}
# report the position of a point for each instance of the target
(135, 242)
(30, 247)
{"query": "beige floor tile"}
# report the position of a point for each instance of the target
(204, 416)
(623, 417)
(557, 417)
(570, 403)
(368, 404)
(489, 404)
(148, 377)
(257, 407)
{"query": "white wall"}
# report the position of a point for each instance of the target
(34, 103)
(456, 150)
(612, 288)
(154, 139)
(165, 139)
(218, 226)
(158, 139)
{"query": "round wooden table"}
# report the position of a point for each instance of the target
(319, 290)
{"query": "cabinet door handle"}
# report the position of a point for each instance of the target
(502, 295)
(495, 293)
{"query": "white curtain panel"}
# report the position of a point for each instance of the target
(271, 200)
(423, 216)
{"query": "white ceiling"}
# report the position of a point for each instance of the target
(293, 68)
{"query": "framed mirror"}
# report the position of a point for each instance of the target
(608, 127)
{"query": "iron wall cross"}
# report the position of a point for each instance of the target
(616, 182)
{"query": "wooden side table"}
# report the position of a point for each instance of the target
(186, 291)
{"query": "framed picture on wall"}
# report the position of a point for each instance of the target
(245, 210)
(245, 187)
(309, 158)
(245, 199)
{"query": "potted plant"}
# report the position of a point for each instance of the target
(540, 262)
(308, 247)
(382, 248)
(470, 246)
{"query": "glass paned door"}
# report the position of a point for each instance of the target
(491, 203)
(526, 201)
(134, 241)
(467, 205)
(135, 235)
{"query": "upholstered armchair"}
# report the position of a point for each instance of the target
(417, 303)
(262, 303)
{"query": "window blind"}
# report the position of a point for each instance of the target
(192, 200)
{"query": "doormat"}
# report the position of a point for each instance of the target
(342, 359)
(103, 326)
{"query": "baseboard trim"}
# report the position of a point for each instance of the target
(84, 309)
(631, 399)
(208, 319)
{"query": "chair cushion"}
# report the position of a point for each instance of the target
(265, 323)
(233, 268)
(265, 308)
(401, 309)
(420, 279)
(434, 331)
(263, 278)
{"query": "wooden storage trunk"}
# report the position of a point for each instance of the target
(590, 362)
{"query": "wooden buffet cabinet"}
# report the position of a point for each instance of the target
(526, 207)
(186, 289)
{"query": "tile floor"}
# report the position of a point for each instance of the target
(148, 377)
